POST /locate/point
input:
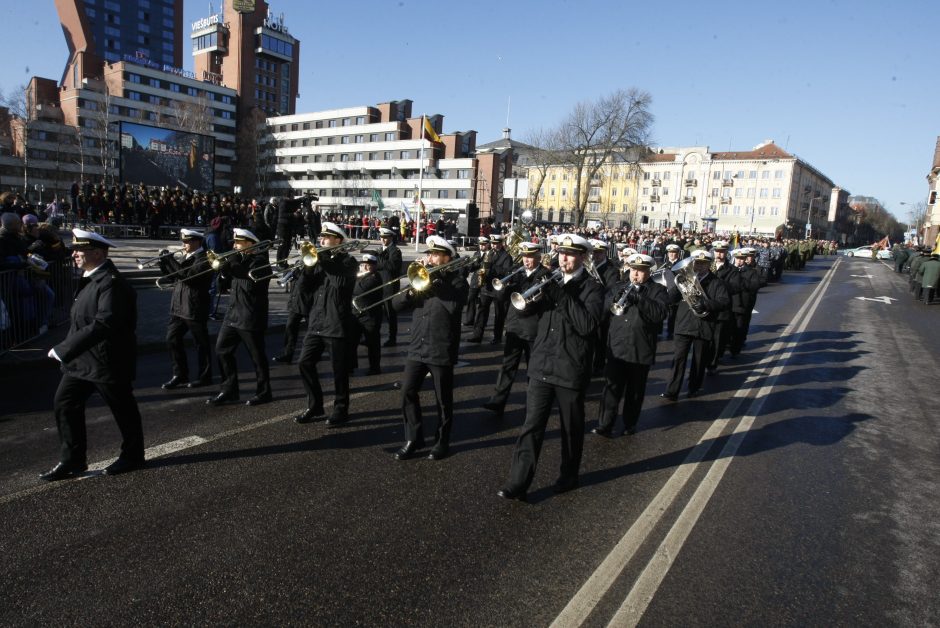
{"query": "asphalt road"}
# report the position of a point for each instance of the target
(799, 489)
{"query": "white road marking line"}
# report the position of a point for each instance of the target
(156, 451)
(589, 595)
(646, 585)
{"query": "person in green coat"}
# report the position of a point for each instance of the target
(919, 259)
(929, 274)
(901, 255)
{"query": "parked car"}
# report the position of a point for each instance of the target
(866, 251)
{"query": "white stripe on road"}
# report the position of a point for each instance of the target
(157, 451)
(590, 594)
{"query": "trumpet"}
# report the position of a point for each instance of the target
(419, 279)
(520, 300)
(499, 284)
(150, 261)
(217, 260)
(618, 308)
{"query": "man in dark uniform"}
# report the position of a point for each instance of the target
(724, 270)
(500, 266)
(99, 353)
(747, 283)
(569, 311)
(328, 327)
(609, 275)
(673, 257)
(435, 338)
(367, 323)
(189, 309)
(521, 326)
(389, 267)
(245, 321)
(476, 278)
(695, 329)
(298, 306)
(288, 215)
(640, 307)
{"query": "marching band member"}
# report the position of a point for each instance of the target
(368, 323)
(500, 266)
(673, 257)
(609, 275)
(743, 301)
(390, 269)
(298, 306)
(435, 338)
(328, 326)
(631, 344)
(99, 353)
(245, 321)
(474, 277)
(560, 370)
(189, 310)
(724, 270)
(521, 327)
(695, 331)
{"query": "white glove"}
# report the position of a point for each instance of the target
(52, 354)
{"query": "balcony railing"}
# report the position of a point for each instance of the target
(654, 198)
(727, 183)
(688, 199)
(657, 183)
(691, 183)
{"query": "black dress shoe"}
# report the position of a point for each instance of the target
(336, 420)
(124, 465)
(389, 343)
(475, 340)
(409, 450)
(283, 359)
(496, 341)
(438, 453)
(630, 431)
(669, 397)
(175, 382)
(606, 432)
(62, 470)
(221, 399)
(563, 485)
(257, 400)
(310, 415)
(495, 408)
(199, 383)
(508, 493)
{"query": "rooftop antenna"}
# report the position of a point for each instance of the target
(787, 143)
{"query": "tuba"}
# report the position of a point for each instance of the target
(689, 286)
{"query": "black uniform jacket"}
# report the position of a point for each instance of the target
(524, 324)
(716, 300)
(389, 267)
(563, 349)
(746, 283)
(249, 299)
(301, 294)
(371, 319)
(190, 299)
(608, 273)
(632, 336)
(331, 309)
(101, 345)
(501, 266)
(435, 323)
(725, 273)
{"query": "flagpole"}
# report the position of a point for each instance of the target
(420, 187)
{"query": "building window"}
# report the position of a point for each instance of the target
(442, 194)
(463, 174)
(388, 155)
(763, 192)
(374, 137)
(776, 193)
(752, 174)
(765, 174)
(390, 137)
(462, 194)
(406, 154)
(551, 192)
(778, 174)
(359, 139)
(345, 139)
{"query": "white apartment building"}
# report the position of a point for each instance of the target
(343, 155)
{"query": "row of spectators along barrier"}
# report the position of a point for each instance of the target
(33, 300)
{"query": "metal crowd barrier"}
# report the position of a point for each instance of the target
(33, 301)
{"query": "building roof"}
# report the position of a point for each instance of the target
(767, 150)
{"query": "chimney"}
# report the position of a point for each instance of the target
(506, 131)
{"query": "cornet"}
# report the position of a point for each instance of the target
(618, 308)
(499, 284)
(520, 300)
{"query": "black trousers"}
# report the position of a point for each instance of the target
(513, 353)
(724, 332)
(701, 354)
(312, 352)
(412, 379)
(373, 346)
(175, 333)
(525, 457)
(291, 329)
(283, 249)
(69, 404)
(742, 321)
(392, 317)
(470, 312)
(225, 346)
(499, 316)
(671, 320)
(623, 382)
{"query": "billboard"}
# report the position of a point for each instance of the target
(163, 157)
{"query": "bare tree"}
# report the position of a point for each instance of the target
(542, 155)
(98, 126)
(22, 112)
(601, 132)
(254, 153)
(193, 116)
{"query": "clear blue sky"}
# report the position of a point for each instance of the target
(849, 86)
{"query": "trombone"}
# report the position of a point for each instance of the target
(520, 300)
(419, 279)
(309, 257)
(150, 261)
